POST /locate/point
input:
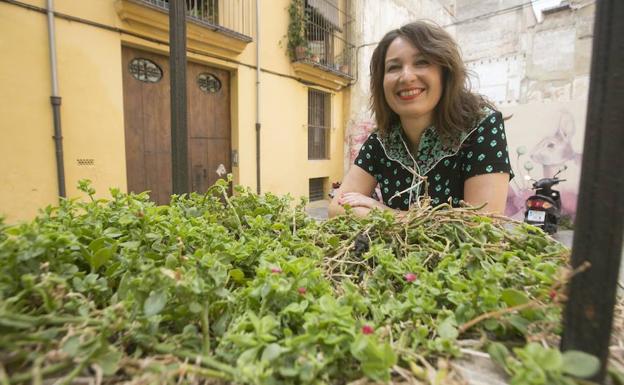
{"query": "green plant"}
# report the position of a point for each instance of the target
(250, 290)
(538, 365)
(566, 222)
(296, 34)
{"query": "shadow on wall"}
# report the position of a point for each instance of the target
(549, 152)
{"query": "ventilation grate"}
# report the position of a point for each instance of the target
(85, 162)
(317, 189)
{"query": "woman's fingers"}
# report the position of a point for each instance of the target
(354, 199)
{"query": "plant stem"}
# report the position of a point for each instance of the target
(205, 323)
(203, 371)
(206, 360)
(4, 379)
(497, 314)
(23, 377)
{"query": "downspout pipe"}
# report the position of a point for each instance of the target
(55, 100)
(258, 124)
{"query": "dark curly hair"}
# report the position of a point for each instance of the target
(459, 109)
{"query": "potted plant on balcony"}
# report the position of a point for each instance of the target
(297, 42)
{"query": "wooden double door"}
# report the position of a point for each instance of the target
(147, 109)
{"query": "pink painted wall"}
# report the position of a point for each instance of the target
(543, 138)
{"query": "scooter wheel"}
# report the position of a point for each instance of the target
(550, 228)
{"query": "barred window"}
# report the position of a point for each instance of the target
(328, 26)
(319, 121)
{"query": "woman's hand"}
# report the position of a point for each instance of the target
(359, 183)
(355, 199)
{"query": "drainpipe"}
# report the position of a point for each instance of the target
(55, 100)
(258, 96)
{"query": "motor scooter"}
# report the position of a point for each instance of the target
(543, 209)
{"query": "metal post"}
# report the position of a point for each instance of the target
(55, 101)
(258, 89)
(588, 316)
(177, 64)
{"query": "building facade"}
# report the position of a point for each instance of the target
(113, 76)
(533, 61)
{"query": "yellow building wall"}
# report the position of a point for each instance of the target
(90, 83)
(27, 165)
(89, 76)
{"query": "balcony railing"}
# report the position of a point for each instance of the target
(233, 17)
(328, 26)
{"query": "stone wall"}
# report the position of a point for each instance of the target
(534, 65)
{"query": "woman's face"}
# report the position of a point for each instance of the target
(412, 85)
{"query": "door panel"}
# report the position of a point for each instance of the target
(148, 128)
(209, 127)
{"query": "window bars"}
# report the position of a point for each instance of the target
(319, 121)
(232, 15)
(328, 33)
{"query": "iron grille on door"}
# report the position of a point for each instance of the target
(317, 189)
(318, 124)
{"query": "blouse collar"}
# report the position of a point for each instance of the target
(431, 149)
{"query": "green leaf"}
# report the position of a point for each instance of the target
(237, 275)
(491, 324)
(333, 241)
(520, 323)
(131, 245)
(376, 360)
(288, 372)
(498, 353)
(248, 357)
(447, 329)
(390, 357)
(71, 345)
(124, 285)
(109, 362)
(580, 364)
(550, 359)
(271, 352)
(513, 297)
(155, 303)
(616, 376)
(101, 257)
(97, 244)
(195, 308)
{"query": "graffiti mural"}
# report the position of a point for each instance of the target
(543, 139)
(358, 132)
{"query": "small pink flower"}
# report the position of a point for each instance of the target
(367, 329)
(302, 290)
(410, 277)
(552, 294)
(276, 270)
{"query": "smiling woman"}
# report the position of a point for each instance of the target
(434, 136)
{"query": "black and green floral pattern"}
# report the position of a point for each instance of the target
(482, 150)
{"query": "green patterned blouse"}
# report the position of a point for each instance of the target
(482, 150)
